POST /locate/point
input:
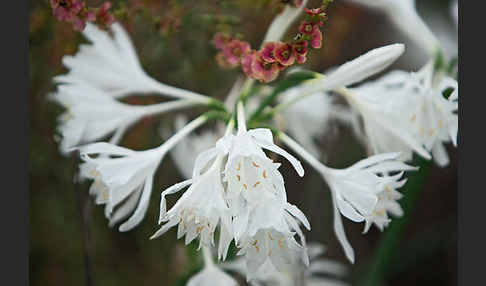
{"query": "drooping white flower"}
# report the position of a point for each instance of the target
(385, 125)
(185, 153)
(111, 65)
(386, 204)
(264, 223)
(269, 275)
(200, 209)
(403, 14)
(123, 178)
(91, 115)
(405, 112)
(433, 118)
(355, 190)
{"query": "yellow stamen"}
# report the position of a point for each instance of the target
(255, 164)
(256, 184)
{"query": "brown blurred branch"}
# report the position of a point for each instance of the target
(84, 207)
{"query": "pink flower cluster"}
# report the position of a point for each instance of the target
(76, 13)
(273, 57)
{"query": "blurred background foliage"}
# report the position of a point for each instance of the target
(173, 41)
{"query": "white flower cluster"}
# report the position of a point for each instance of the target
(233, 187)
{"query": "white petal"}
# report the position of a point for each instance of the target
(262, 138)
(104, 148)
(340, 233)
(139, 213)
(360, 68)
(296, 212)
(171, 190)
(439, 154)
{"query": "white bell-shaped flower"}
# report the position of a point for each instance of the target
(386, 204)
(264, 223)
(433, 118)
(91, 115)
(406, 112)
(111, 65)
(123, 178)
(355, 190)
(385, 124)
(200, 209)
(118, 181)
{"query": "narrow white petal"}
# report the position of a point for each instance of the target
(139, 213)
(296, 212)
(171, 190)
(340, 233)
(262, 141)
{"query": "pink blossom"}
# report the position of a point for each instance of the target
(234, 50)
(262, 70)
(268, 51)
(220, 40)
(104, 16)
(66, 10)
(300, 49)
(307, 28)
(316, 41)
(285, 54)
(246, 62)
(223, 62)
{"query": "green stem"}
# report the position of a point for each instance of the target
(392, 236)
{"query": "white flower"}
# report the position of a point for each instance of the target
(405, 112)
(385, 125)
(91, 115)
(264, 222)
(200, 209)
(123, 178)
(211, 275)
(433, 118)
(405, 17)
(387, 203)
(355, 190)
(269, 275)
(185, 153)
(111, 65)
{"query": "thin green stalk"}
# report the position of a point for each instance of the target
(392, 236)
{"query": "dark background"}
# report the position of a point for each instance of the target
(425, 255)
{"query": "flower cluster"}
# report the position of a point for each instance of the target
(237, 187)
(266, 63)
(233, 189)
(76, 13)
